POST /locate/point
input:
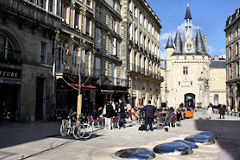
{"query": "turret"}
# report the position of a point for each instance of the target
(199, 42)
(169, 47)
(188, 14)
(178, 42)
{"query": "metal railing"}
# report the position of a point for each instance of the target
(113, 81)
(35, 13)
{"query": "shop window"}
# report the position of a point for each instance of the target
(43, 52)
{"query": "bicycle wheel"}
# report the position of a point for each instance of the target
(64, 128)
(88, 129)
(78, 131)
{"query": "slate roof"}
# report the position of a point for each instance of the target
(169, 42)
(178, 42)
(218, 64)
(188, 13)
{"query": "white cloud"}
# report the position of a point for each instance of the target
(211, 50)
(222, 51)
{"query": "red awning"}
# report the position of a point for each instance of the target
(89, 87)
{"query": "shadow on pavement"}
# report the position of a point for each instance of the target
(227, 133)
(72, 138)
(18, 133)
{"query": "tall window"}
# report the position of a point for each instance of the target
(229, 52)
(98, 38)
(135, 12)
(41, 3)
(97, 67)
(141, 18)
(237, 69)
(114, 3)
(63, 10)
(141, 38)
(76, 19)
(216, 99)
(237, 31)
(50, 5)
(87, 25)
(7, 51)
(86, 62)
(114, 46)
(153, 49)
(237, 49)
(149, 27)
(88, 2)
(136, 35)
(185, 70)
(114, 73)
(145, 22)
(229, 36)
(43, 52)
(130, 5)
(231, 71)
(130, 31)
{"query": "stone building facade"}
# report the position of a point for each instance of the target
(187, 69)
(109, 57)
(75, 53)
(217, 81)
(114, 45)
(232, 31)
(27, 35)
(142, 45)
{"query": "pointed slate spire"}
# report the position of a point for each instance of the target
(178, 42)
(169, 42)
(199, 42)
(188, 13)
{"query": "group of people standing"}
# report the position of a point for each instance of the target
(112, 109)
(222, 110)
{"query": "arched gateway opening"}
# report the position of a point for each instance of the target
(189, 100)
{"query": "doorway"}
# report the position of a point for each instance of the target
(189, 100)
(39, 99)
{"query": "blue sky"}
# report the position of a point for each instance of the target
(209, 15)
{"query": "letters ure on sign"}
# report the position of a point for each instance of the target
(9, 74)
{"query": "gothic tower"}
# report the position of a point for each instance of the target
(188, 32)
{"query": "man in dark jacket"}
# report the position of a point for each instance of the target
(222, 111)
(149, 112)
(108, 116)
(122, 113)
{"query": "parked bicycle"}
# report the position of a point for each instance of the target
(67, 125)
(83, 129)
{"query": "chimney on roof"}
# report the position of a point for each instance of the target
(205, 42)
(216, 58)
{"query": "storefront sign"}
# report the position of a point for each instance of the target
(10, 73)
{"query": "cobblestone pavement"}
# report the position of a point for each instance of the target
(41, 141)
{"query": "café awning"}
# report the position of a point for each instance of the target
(88, 87)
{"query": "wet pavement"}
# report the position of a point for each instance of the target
(41, 141)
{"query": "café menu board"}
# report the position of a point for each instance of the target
(10, 73)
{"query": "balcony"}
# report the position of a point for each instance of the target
(113, 81)
(28, 10)
(10, 56)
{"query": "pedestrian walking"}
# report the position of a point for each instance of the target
(209, 111)
(222, 111)
(149, 112)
